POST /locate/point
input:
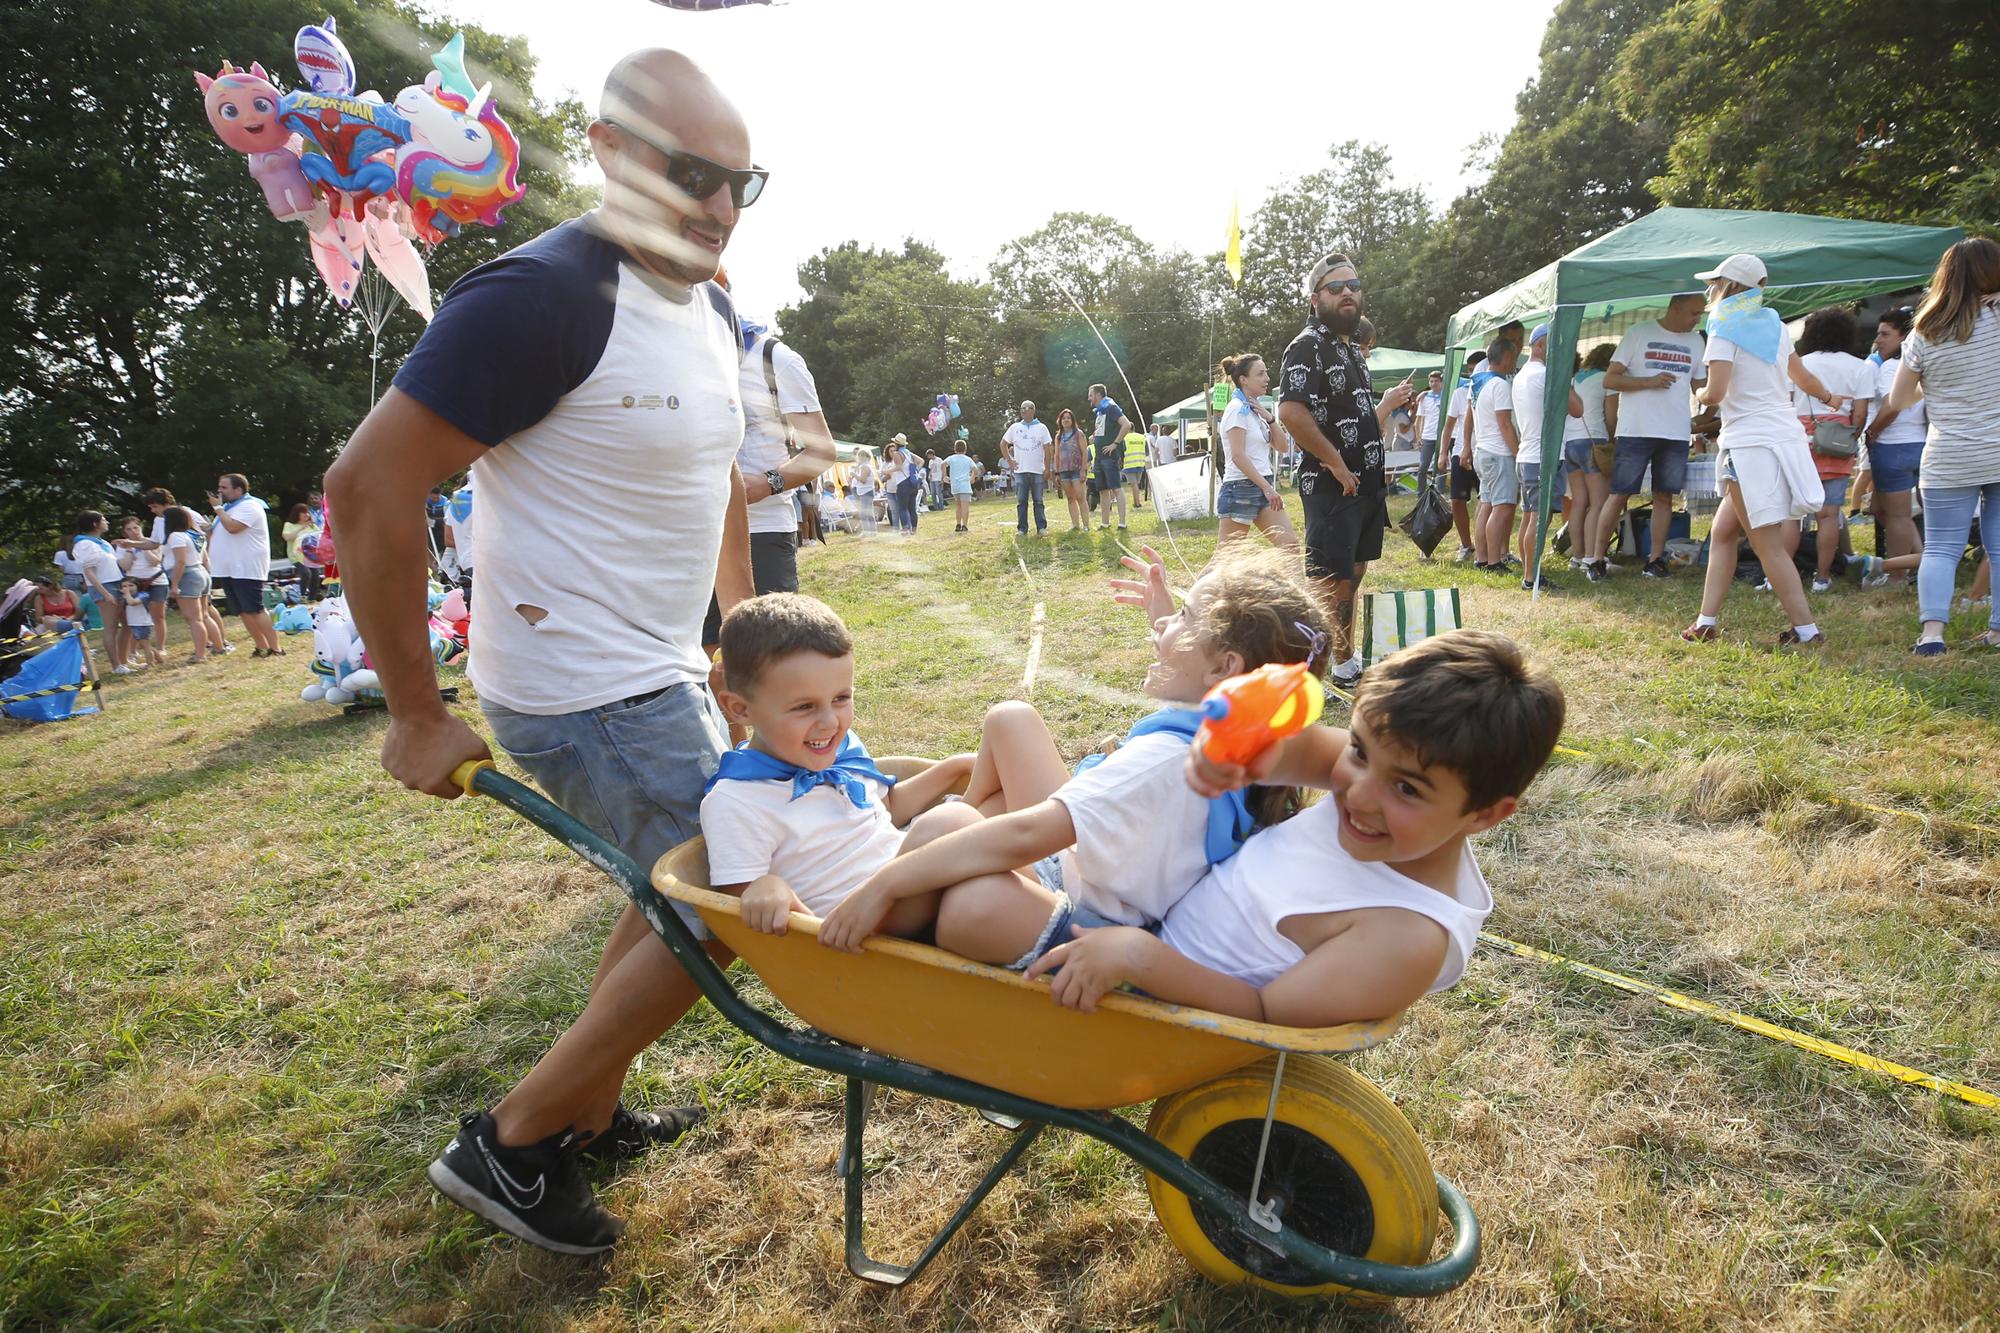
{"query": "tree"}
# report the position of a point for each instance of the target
(159, 325)
(1822, 106)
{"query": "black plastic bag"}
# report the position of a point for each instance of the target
(1430, 519)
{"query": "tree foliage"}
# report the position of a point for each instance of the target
(159, 325)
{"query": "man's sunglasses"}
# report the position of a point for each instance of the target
(1341, 285)
(698, 176)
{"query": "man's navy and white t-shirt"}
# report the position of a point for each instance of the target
(608, 401)
(764, 424)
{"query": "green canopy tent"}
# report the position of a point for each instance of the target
(1813, 262)
(1387, 366)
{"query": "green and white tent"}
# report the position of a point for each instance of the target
(1813, 262)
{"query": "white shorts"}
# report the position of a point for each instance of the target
(1766, 497)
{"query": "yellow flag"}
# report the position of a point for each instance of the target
(1232, 258)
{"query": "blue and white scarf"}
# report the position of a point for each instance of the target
(849, 772)
(1743, 320)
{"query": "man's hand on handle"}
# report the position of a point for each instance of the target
(422, 752)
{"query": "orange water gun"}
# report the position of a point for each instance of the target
(1247, 714)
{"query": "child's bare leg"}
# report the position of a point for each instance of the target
(994, 918)
(1018, 764)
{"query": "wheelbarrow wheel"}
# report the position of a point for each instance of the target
(1344, 1169)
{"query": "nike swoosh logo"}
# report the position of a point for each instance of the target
(517, 1194)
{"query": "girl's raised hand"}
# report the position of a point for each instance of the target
(1149, 591)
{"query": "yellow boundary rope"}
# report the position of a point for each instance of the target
(60, 689)
(1965, 1092)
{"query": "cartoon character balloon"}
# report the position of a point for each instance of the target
(323, 60)
(366, 177)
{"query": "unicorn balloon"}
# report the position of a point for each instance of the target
(461, 162)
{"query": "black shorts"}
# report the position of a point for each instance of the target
(242, 597)
(1342, 531)
(774, 567)
(1464, 481)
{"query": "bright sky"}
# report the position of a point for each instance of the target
(966, 124)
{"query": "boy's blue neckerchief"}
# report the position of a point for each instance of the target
(847, 771)
(86, 537)
(1229, 821)
(1583, 375)
(1479, 378)
(1743, 320)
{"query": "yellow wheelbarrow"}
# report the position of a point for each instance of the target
(1267, 1161)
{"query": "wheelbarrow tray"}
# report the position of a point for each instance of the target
(922, 1004)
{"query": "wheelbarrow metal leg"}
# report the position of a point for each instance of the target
(854, 1164)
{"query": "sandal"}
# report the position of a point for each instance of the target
(1990, 639)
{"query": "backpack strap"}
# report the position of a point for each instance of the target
(771, 383)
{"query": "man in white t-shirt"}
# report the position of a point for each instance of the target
(1429, 407)
(1656, 368)
(780, 408)
(1024, 448)
(1493, 447)
(239, 558)
(589, 378)
(1529, 392)
(1458, 445)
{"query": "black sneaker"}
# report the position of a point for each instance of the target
(1596, 570)
(537, 1193)
(1548, 589)
(632, 1133)
(1656, 568)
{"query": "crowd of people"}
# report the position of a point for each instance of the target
(132, 582)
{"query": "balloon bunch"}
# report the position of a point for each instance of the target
(367, 178)
(943, 414)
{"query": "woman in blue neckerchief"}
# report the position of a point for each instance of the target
(1249, 494)
(1766, 468)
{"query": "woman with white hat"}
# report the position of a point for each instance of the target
(1766, 468)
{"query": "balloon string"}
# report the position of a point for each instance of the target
(1132, 395)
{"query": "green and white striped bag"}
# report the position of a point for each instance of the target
(1392, 620)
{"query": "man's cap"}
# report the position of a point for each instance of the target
(1324, 267)
(1746, 269)
(1541, 332)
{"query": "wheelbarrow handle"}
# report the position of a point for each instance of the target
(466, 776)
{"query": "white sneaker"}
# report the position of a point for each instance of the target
(1347, 672)
(1765, 586)
(1822, 585)
(1875, 581)
(121, 671)
(1465, 553)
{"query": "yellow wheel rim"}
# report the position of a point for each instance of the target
(1344, 1167)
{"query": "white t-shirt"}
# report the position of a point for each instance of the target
(609, 406)
(1454, 413)
(136, 612)
(1909, 427)
(1141, 834)
(143, 566)
(764, 425)
(1496, 395)
(1256, 440)
(1229, 921)
(1031, 441)
(1527, 395)
(861, 476)
(1429, 403)
(1661, 414)
(97, 564)
(821, 844)
(64, 563)
(196, 525)
(245, 554)
(1844, 375)
(1757, 410)
(936, 468)
(461, 535)
(179, 541)
(1589, 426)
(1962, 386)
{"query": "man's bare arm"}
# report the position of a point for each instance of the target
(376, 490)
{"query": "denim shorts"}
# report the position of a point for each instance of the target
(1109, 474)
(193, 582)
(631, 770)
(1895, 465)
(1242, 499)
(1066, 914)
(242, 597)
(156, 596)
(1836, 490)
(1580, 455)
(1499, 477)
(142, 632)
(1069, 474)
(1531, 483)
(1667, 457)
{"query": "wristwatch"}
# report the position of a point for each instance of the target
(775, 480)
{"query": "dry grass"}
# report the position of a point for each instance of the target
(246, 985)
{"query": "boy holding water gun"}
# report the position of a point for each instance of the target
(1362, 903)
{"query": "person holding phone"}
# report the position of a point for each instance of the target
(1325, 401)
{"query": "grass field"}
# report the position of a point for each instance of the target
(247, 984)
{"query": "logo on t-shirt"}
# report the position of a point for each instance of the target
(651, 401)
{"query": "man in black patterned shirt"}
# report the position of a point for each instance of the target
(1325, 401)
